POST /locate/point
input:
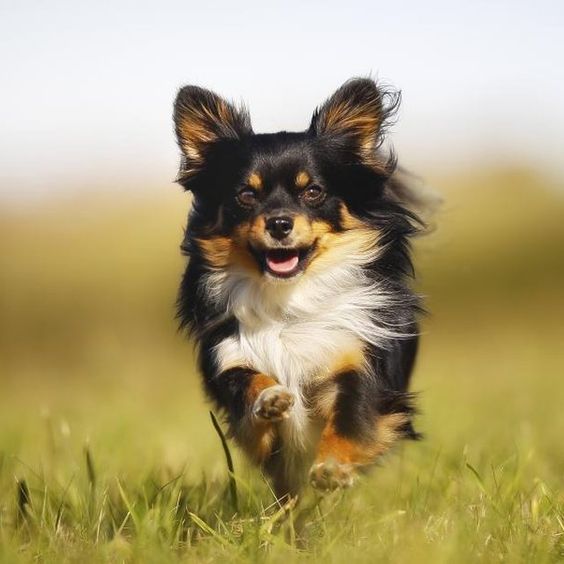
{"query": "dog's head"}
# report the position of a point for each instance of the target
(283, 204)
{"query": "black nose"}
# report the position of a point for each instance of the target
(280, 226)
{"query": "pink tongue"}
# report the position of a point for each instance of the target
(282, 264)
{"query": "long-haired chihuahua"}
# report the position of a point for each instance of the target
(297, 287)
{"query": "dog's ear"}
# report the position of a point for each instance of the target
(202, 118)
(355, 115)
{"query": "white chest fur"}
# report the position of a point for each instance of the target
(291, 350)
(295, 332)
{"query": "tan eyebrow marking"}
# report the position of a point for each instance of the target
(255, 181)
(302, 179)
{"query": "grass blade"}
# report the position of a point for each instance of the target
(207, 529)
(90, 470)
(24, 499)
(229, 460)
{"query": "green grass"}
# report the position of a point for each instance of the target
(107, 451)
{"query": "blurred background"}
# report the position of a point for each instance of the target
(91, 221)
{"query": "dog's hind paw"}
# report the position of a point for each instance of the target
(274, 404)
(331, 475)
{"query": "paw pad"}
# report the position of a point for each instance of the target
(331, 475)
(274, 404)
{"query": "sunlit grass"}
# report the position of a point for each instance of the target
(107, 452)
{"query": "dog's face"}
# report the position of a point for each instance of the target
(284, 204)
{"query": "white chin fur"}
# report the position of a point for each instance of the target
(273, 279)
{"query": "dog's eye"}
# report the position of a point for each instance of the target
(313, 195)
(247, 197)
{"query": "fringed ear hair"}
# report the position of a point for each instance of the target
(202, 118)
(355, 116)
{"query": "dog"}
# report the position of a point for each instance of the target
(297, 286)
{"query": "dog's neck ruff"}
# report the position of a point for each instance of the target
(319, 310)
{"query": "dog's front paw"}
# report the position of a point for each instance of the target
(274, 404)
(331, 475)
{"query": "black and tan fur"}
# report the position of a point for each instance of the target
(297, 285)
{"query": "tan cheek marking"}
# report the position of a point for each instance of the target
(251, 233)
(305, 232)
(255, 181)
(222, 252)
(302, 179)
(240, 254)
(348, 220)
(257, 231)
(242, 258)
(334, 248)
(302, 232)
(320, 227)
(216, 251)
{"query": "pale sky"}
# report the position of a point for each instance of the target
(87, 88)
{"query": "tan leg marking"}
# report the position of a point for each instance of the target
(254, 435)
(338, 457)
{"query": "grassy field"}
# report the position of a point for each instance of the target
(107, 451)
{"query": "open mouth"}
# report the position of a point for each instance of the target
(285, 263)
